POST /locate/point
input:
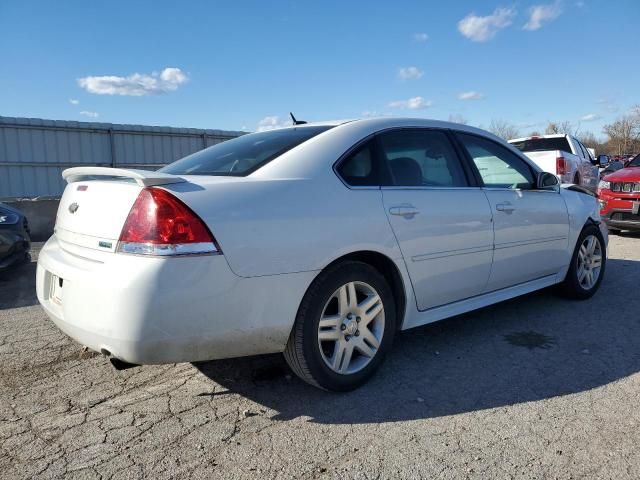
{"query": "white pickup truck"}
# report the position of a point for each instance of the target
(563, 155)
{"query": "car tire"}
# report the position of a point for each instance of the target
(339, 338)
(587, 265)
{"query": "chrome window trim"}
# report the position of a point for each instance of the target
(399, 187)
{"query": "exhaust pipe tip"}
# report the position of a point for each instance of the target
(121, 365)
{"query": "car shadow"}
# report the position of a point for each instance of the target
(18, 286)
(531, 348)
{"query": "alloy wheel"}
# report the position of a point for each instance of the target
(351, 327)
(589, 262)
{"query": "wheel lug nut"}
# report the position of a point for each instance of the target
(343, 327)
(358, 319)
(357, 333)
(347, 338)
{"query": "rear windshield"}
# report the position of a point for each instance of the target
(543, 144)
(243, 155)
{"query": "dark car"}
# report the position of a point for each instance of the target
(613, 166)
(15, 242)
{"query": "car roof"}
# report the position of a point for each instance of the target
(381, 123)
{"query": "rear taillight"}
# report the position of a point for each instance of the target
(160, 224)
(561, 166)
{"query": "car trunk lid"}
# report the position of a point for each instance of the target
(97, 201)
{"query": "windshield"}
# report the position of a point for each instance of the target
(243, 155)
(543, 144)
(635, 162)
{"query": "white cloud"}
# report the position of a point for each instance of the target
(420, 37)
(414, 103)
(470, 96)
(73, 101)
(590, 117)
(135, 85)
(540, 14)
(89, 114)
(271, 123)
(481, 29)
(410, 73)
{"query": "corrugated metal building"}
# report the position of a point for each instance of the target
(33, 151)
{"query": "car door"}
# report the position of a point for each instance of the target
(442, 222)
(531, 226)
(588, 171)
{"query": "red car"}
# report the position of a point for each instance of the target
(619, 194)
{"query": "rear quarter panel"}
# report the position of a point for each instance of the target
(277, 226)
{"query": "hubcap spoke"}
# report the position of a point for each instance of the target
(346, 360)
(343, 300)
(328, 335)
(369, 314)
(338, 355)
(365, 349)
(370, 338)
(330, 321)
(353, 299)
(582, 272)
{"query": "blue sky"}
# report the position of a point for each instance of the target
(238, 65)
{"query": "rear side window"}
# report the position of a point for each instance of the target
(243, 155)
(543, 144)
(360, 169)
(421, 158)
(498, 167)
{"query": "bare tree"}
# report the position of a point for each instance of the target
(565, 128)
(589, 140)
(504, 129)
(457, 118)
(624, 133)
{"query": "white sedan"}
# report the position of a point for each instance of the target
(319, 241)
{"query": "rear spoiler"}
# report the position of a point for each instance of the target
(143, 178)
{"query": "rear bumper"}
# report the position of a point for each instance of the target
(167, 310)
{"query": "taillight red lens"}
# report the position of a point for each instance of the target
(160, 224)
(561, 166)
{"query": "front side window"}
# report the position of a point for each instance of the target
(582, 148)
(421, 158)
(498, 167)
(243, 155)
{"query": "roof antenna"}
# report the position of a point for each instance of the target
(296, 122)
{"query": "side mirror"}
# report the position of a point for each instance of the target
(602, 160)
(547, 181)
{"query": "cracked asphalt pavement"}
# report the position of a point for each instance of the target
(537, 387)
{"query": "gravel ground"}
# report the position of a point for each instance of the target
(537, 387)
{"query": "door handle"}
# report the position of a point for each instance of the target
(505, 207)
(406, 211)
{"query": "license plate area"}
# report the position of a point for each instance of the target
(55, 289)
